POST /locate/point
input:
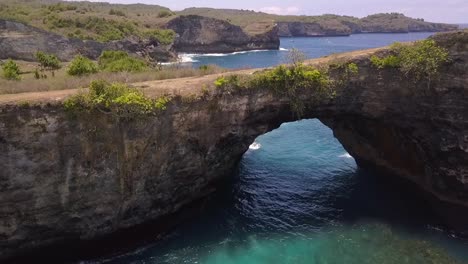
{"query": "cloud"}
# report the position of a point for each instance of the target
(290, 10)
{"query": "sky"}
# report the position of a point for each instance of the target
(449, 11)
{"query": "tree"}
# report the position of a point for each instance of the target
(48, 62)
(81, 65)
(296, 57)
(11, 70)
(120, 61)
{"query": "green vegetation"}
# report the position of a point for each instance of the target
(105, 22)
(352, 69)
(120, 61)
(11, 70)
(47, 62)
(32, 79)
(86, 20)
(285, 81)
(61, 7)
(390, 61)
(165, 13)
(118, 99)
(81, 65)
(163, 36)
(421, 60)
(116, 12)
(221, 82)
(259, 22)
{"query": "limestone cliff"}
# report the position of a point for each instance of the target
(342, 26)
(209, 35)
(68, 178)
(304, 29)
(21, 42)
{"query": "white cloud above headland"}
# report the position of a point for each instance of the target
(290, 10)
(449, 11)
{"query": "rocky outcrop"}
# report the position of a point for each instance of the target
(303, 29)
(21, 42)
(343, 26)
(199, 34)
(66, 177)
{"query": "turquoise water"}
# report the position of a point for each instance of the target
(299, 197)
(312, 47)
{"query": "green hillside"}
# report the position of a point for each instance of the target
(86, 20)
(106, 22)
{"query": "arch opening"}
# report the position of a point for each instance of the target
(297, 192)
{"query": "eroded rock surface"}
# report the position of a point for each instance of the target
(21, 42)
(65, 178)
(209, 35)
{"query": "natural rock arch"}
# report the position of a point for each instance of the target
(80, 178)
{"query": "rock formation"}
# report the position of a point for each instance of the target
(303, 29)
(21, 42)
(77, 178)
(343, 26)
(209, 35)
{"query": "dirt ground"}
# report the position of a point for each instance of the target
(180, 86)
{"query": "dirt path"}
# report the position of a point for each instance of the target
(180, 86)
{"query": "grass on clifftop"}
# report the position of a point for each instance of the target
(117, 99)
(419, 61)
(93, 21)
(113, 72)
(259, 22)
(106, 22)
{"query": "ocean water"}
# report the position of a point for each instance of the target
(298, 197)
(312, 47)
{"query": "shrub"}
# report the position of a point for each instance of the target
(120, 61)
(220, 82)
(352, 69)
(288, 81)
(296, 57)
(11, 70)
(118, 99)
(231, 82)
(60, 7)
(163, 36)
(423, 59)
(204, 67)
(165, 13)
(48, 62)
(114, 12)
(81, 66)
(390, 61)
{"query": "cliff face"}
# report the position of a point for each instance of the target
(342, 26)
(21, 42)
(303, 29)
(65, 178)
(209, 35)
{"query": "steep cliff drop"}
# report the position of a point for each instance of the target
(199, 34)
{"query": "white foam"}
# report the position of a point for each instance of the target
(187, 57)
(194, 55)
(283, 49)
(255, 146)
(346, 155)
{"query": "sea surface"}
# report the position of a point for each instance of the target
(298, 197)
(312, 47)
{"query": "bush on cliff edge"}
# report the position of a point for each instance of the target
(120, 61)
(116, 98)
(11, 70)
(81, 65)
